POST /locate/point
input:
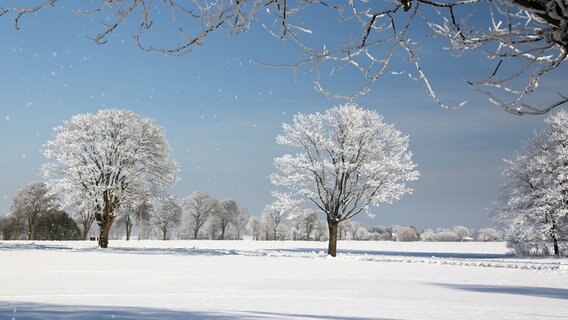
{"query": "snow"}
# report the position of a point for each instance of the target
(277, 280)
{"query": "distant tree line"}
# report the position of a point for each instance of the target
(36, 215)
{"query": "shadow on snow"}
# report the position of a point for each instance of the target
(250, 252)
(543, 292)
(23, 310)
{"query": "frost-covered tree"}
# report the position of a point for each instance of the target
(103, 160)
(348, 159)
(272, 217)
(446, 235)
(33, 201)
(167, 217)
(199, 207)
(213, 228)
(85, 217)
(254, 226)
(427, 235)
(240, 222)
(308, 223)
(274, 214)
(134, 212)
(126, 218)
(405, 234)
(462, 232)
(533, 206)
(362, 233)
(489, 234)
(522, 40)
(225, 216)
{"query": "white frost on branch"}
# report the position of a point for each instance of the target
(101, 161)
(348, 159)
(530, 34)
(533, 207)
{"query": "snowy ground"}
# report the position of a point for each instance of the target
(277, 280)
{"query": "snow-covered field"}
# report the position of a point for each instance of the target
(277, 280)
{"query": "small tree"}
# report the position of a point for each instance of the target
(241, 221)
(446, 235)
(255, 228)
(273, 215)
(135, 212)
(362, 233)
(405, 234)
(308, 223)
(349, 160)
(106, 159)
(126, 217)
(427, 235)
(31, 203)
(85, 218)
(199, 207)
(226, 215)
(213, 228)
(462, 232)
(167, 216)
(489, 234)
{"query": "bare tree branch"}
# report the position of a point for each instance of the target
(533, 34)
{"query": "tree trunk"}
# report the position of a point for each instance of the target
(555, 239)
(195, 233)
(31, 233)
(128, 224)
(86, 228)
(332, 245)
(105, 226)
(164, 234)
(223, 233)
(31, 229)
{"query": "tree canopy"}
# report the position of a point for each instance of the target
(348, 160)
(103, 160)
(533, 207)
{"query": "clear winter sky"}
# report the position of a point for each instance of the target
(221, 113)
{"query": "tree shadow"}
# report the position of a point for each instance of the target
(6, 245)
(26, 310)
(543, 292)
(430, 254)
(251, 252)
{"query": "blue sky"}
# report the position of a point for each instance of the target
(221, 113)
